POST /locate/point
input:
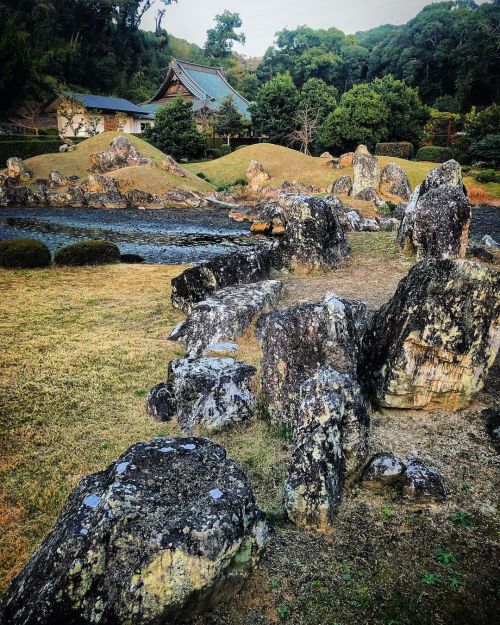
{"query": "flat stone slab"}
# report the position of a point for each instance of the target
(225, 315)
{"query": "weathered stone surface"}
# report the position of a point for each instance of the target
(382, 469)
(394, 182)
(139, 198)
(326, 155)
(14, 196)
(478, 251)
(442, 220)
(160, 403)
(330, 432)
(422, 486)
(159, 535)
(314, 237)
(225, 315)
(490, 242)
(197, 283)
(492, 422)
(256, 174)
(446, 173)
(432, 344)
(212, 392)
(342, 186)
(121, 153)
(103, 192)
(183, 198)
(345, 160)
(172, 166)
(365, 172)
(16, 169)
(368, 195)
(388, 224)
(358, 222)
(405, 233)
(302, 338)
(56, 179)
(267, 214)
(361, 149)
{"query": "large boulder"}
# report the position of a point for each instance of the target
(314, 237)
(366, 172)
(196, 283)
(345, 160)
(212, 392)
(225, 315)
(159, 535)
(17, 170)
(342, 186)
(447, 211)
(256, 175)
(442, 220)
(121, 153)
(103, 192)
(170, 165)
(302, 338)
(432, 344)
(394, 182)
(330, 442)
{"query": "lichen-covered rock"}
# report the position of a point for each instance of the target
(212, 392)
(441, 224)
(422, 486)
(330, 440)
(388, 224)
(394, 182)
(160, 403)
(382, 469)
(302, 338)
(449, 172)
(432, 344)
(256, 175)
(366, 172)
(196, 283)
(172, 166)
(56, 179)
(404, 239)
(16, 169)
(342, 186)
(314, 237)
(225, 315)
(492, 422)
(266, 214)
(103, 192)
(139, 198)
(121, 153)
(359, 223)
(163, 532)
(490, 242)
(368, 194)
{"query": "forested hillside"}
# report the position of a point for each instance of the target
(450, 50)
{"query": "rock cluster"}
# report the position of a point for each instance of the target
(437, 219)
(432, 344)
(225, 315)
(256, 175)
(152, 539)
(17, 170)
(121, 153)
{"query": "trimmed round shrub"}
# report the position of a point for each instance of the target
(434, 154)
(24, 254)
(87, 253)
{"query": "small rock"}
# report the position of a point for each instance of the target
(382, 469)
(345, 160)
(326, 155)
(394, 182)
(388, 224)
(490, 242)
(159, 536)
(160, 402)
(422, 486)
(342, 186)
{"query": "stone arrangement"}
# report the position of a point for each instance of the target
(121, 153)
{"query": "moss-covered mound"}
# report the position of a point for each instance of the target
(88, 253)
(24, 254)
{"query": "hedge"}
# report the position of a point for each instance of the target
(399, 149)
(24, 254)
(26, 149)
(93, 252)
(434, 154)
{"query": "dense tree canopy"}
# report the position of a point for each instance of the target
(220, 39)
(228, 121)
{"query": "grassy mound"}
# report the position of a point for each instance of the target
(87, 253)
(24, 254)
(77, 163)
(287, 164)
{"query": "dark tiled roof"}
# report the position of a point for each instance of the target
(109, 104)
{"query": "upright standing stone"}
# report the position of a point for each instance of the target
(365, 171)
(432, 344)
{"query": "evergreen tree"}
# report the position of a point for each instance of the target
(175, 131)
(220, 39)
(228, 121)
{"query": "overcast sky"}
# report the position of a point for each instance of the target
(190, 19)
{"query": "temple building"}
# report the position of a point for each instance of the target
(205, 86)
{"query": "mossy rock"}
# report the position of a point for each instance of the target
(24, 254)
(92, 252)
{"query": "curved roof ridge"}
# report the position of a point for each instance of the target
(201, 89)
(232, 88)
(198, 65)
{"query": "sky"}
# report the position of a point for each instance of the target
(190, 19)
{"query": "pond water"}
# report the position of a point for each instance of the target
(167, 236)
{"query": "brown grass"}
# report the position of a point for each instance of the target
(477, 195)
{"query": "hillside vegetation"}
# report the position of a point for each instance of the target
(153, 180)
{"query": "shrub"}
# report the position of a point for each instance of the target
(201, 175)
(488, 149)
(399, 149)
(241, 182)
(487, 175)
(88, 253)
(434, 154)
(213, 153)
(26, 149)
(24, 254)
(477, 195)
(225, 149)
